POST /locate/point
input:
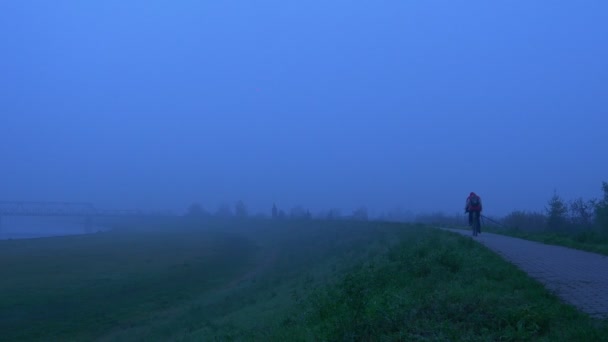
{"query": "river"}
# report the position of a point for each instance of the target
(17, 227)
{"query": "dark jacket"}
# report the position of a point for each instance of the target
(469, 207)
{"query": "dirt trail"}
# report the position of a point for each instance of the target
(266, 261)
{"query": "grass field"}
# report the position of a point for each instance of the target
(266, 280)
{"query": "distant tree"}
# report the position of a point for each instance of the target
(240, 209)
(360, 214)
(557, 212)
(275, 211)
(196, 210)
(581, 213)
(601, 209)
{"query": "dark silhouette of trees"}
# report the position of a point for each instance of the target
(601, 209)
(275, 211)
(581, 213)
(557, 212)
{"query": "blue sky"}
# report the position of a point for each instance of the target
(158, 104)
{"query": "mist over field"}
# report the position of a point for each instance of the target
(156, 105)
(294, 171)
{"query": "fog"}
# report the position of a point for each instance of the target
(159, 104)
(34, 227)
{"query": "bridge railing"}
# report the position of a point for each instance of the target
(82, 209)
(8, 208)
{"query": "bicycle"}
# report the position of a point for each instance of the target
(476, 226)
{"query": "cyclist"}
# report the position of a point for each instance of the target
(473, 207)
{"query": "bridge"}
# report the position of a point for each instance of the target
(78, 209)
(66, 209)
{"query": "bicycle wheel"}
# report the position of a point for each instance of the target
(476, 225)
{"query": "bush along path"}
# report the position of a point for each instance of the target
(577, 277)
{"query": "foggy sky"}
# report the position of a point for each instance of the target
(158, 104)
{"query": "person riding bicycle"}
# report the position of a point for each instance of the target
(473, 207)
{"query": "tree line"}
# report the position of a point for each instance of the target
(240, 211)
(558, 215)
(561, 215)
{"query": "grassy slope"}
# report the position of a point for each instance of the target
(261, 280)
(81, 286)
(433, 286)
(162, 282)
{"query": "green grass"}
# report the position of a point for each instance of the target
(79, 287)
(435, 286)
(586, 240)
(263, 280)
